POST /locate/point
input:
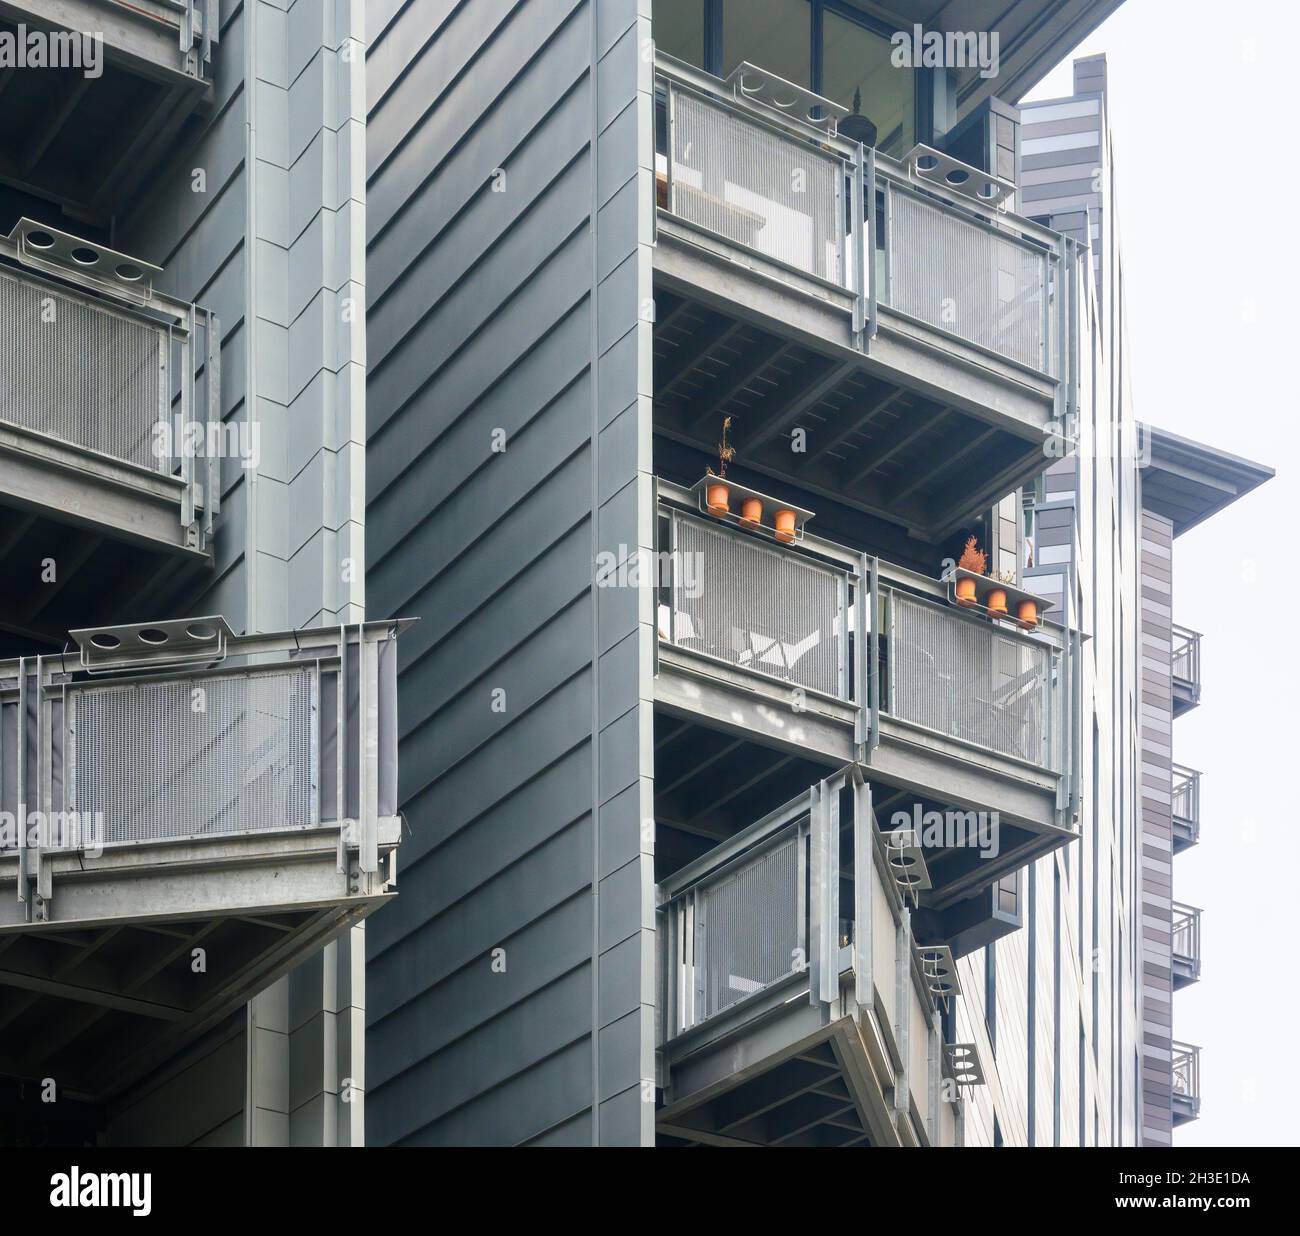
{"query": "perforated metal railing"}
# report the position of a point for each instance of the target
(80, 372)
(961, 276)
(757, 187)
(738, 931)
(759, 607)
(195, 757)
(759, 180)
(970, 680)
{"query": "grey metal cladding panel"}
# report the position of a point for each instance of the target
(545, 588)
(406, 143)
(449, 1006)
(451, 517)
(466, 189)
(391, 46)
(516, 843)
(522, 1110)
(502, 1051)
(525, 533)
(533, 382)
(521, 323)
(480, 320)
(544, 734)
(558, 652)
(442, 307)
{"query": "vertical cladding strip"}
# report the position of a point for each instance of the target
(304, 289)
(622, 193)
(1154, 894)
(593, 17)
(511, 985)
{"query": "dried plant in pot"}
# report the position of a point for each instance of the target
(976, 561)
(717, 496)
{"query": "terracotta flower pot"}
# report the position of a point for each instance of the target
(785, 526)
(1027, 614)
(751, 512)
(718, 499)
(996, 601)
(965, 592)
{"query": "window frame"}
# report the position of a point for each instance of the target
(922, 78)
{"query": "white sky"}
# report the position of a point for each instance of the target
(1202, 110)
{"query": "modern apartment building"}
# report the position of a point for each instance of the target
(739, 814)
(663, 358)
(1068, 184)
(197, 724)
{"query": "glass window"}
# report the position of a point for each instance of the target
(775, 35)
(857, 73)
(678, 27)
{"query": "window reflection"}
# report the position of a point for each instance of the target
(679, 30)
(776, 35)
(857, 74)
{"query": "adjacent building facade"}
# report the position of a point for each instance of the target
(730, 822)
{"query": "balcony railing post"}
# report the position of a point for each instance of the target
(863, 888)
(824, 905)
(869, 241)
(857, 213)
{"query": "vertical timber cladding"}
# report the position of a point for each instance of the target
(509, 282)
(1157, 841)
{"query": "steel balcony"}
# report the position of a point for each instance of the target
(174, 792)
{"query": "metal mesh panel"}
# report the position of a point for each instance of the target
(961, 277)
(157, 768)
(968, 680)
(747, 928)
(737, 178)
(79, 373)
(759, 608)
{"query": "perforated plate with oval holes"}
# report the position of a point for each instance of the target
(907, 862)
(935, 167)
(757, 85)
(940, 970)
(179, 641)
(46, 248)
(961, 1062)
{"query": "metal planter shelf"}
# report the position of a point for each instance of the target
(1013, 598)
(95, 363)
(791, 614)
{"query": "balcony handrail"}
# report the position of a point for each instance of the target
(855, 268)
(1185, 1069)
(1185, 932)
(1185, 796)
(1186, 654)
(679, 72)
(1004, 713)
(270, 733)
(171, 399)
(760, 873)
(762, 911)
